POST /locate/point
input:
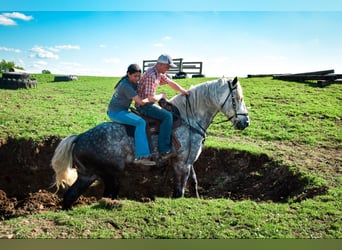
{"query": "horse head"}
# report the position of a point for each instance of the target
(233, 105)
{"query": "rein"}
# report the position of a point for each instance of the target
(203, 132)
(191, 128)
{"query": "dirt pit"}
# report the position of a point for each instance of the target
(26, 177)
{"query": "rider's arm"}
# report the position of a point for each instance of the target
(140, 101)
(164, 79)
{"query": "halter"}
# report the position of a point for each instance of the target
(231, 93)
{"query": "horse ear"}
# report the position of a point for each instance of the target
(235, 80)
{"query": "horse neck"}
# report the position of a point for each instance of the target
(197, 109)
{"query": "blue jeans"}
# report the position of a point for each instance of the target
(140, 139)
(156, 112)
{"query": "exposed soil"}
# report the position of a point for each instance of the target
(26, 177)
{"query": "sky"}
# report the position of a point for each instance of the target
(231, 38)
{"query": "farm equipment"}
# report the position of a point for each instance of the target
(16, 80)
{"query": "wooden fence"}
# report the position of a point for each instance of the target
(182, 69)
(323, 77)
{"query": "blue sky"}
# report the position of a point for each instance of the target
(103, 37)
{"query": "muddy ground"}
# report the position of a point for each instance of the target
(26, 177)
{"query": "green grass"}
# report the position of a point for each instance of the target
(55, 108)
(279, 111)
(289, 111)
(189, 218)
(291, 121)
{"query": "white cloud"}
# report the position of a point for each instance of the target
(58, 48)
(67, 47)
(10, 50)
(167, 38)
(17, 15)
(40, 52)
(6, 19)
(53, 49)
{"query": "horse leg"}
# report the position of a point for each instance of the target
(180, 177)
(76, 189)
(194, 183)
(111, 186)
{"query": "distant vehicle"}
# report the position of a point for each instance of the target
(65, 78)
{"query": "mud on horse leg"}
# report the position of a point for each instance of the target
(111, 185)
(194, 183)
(181, 178)
(76, 189)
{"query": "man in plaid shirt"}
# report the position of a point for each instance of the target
(147, 88)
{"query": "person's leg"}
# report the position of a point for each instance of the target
(156, 112)
(141, 142)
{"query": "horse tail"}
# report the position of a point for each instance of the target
(62, 163)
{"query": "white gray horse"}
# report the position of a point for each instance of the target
(105, 150)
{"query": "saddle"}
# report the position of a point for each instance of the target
(153, 125)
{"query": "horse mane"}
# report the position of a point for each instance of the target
(204, 94)
(199, 98)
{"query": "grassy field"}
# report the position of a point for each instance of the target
(280, 111)
(298, 124)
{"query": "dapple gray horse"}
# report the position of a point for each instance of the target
(105, 150)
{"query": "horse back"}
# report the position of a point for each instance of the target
(102, 141)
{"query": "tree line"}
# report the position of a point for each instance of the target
(6, 66)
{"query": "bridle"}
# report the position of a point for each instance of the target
(231, 94)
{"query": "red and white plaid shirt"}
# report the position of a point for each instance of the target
(150, 81)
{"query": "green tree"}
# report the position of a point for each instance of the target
(45, 71)
(6, 66)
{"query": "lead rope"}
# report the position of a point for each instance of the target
(190, 134)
